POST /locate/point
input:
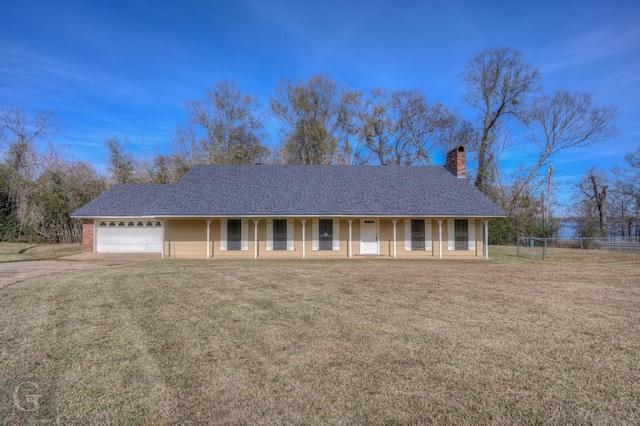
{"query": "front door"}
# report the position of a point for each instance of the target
(369, 236)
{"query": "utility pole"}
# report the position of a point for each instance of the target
(549, 194)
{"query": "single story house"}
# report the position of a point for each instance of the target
(269, 211)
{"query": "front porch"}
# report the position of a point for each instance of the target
(325, 238)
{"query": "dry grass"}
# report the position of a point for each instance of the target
(350, 342)
(16, 252)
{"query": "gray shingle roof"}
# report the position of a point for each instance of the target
(219, 190)
(122, 200)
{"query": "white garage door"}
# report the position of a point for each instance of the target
(129, 239)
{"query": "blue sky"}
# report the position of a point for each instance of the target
(124, 68)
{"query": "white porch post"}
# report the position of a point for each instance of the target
(255, 238)
(486, 239)
(208, 239)
(440, 237)
(304, 237)
(350, 239)
(94, 249)
(394, 239)
(162, 223)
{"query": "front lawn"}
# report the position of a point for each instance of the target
(334, 342)
(16, 252)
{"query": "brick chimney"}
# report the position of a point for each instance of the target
(456, 162)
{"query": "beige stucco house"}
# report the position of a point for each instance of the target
(266, 212)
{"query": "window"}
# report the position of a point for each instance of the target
(140, 224)
(461, 234)
(326, 234)
(103, 224)
(279, 234)
(417, 234)
(121, 224)
(234, 234)
(130, 224)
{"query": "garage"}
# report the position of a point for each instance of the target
(129, 237)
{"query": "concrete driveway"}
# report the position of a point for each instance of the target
(15, 272)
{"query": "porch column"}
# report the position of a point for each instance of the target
(350, 238)
(440, 237)
(255, 238)
(304, 244)
(208, 239)
(95, 236)
(162, 223)
(394, 239)
(486, 239)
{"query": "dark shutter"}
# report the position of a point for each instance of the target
(462, 234)
(417, 234)
(326, 234)
(234, 234)
(279, 234)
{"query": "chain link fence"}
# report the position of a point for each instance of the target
(544, 247)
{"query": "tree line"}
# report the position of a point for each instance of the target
(321, 121)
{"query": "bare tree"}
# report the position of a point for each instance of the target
(595, 188)
(186, 146)
(21, 134)
(22, 137)
(313, 114)
(403, 128)
(625, 210)
(627, 191)
(226, 127)
(427, 128)
(349, 150)
(559, 122)
(376, 126)
(630, 175)
(121, 163)
(498, 84)
(162, 169)
(61, 188)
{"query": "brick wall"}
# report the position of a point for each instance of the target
(456, 161)
(87, 235)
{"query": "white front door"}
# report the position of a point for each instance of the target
(369, 236)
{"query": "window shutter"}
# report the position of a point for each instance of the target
(315, 234)
(451, 234)
(428, 238)
(223, 234)
(244, 235)
(407, 235)
(472, 234)
(336, 234)
(269, 234)
(290, 245)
